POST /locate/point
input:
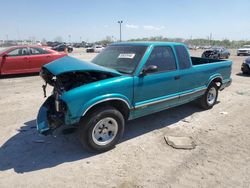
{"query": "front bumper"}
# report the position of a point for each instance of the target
(245, 68)
(243, 52)
(48, 119)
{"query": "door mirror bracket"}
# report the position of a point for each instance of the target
(149, 69)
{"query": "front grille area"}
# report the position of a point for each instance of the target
(242, 51)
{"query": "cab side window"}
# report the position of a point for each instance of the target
(183, 57)
(163, 58)
(37, 51)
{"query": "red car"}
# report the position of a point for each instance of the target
(26, 59)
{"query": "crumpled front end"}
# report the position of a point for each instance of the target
(64, 77)
(48, 118)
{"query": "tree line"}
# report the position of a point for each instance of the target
(189, 42)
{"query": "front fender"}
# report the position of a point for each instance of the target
(103, 98)
(80, 99)
(84, 106)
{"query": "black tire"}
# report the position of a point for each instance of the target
(87, 125)
(204, 102)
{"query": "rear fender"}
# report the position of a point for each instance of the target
(213, 78)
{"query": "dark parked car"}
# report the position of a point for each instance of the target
(53, 44)
(88, 45)
(216, 53)
(78, 45)
(61, 48)
(245, 67)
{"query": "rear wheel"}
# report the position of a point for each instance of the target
(208, 100)
(102, 129)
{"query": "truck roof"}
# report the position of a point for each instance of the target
(146, 43)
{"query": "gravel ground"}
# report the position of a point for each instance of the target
(142, 159)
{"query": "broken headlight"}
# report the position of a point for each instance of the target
(47, 76)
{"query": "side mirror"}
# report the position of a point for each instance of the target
(149, 69)
(5, 55)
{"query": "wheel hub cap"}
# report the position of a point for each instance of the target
(211, 96)
(105, 131)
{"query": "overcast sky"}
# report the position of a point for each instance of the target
(95, 19)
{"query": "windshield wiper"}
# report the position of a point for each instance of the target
(124, 72)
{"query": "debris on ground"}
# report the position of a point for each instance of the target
(185, 120)
(178, 142)
(240, 92)
(224, 113)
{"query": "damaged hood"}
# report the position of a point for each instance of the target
(70, 64)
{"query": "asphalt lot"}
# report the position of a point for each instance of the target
(142, 159)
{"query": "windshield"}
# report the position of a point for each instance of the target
(216, 48)
(246, 46)
(121, 58)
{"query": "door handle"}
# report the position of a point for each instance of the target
(177, 77)
(48, 56)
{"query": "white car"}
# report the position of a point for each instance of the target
(95, 48)
(98, 48)
(245, 50)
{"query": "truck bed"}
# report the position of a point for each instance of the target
(199, 60)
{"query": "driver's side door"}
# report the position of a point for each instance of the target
(159, 90)
(16, 61)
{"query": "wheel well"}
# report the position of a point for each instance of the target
(217, 81)
(118, 104)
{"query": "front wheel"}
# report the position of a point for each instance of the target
(208, 100)
(102, 129)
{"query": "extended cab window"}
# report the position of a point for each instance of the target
(183, 57)
(163, 58)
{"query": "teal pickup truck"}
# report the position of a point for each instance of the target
(126, 81)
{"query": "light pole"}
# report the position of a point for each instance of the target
(69, 38)
(120, 23)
